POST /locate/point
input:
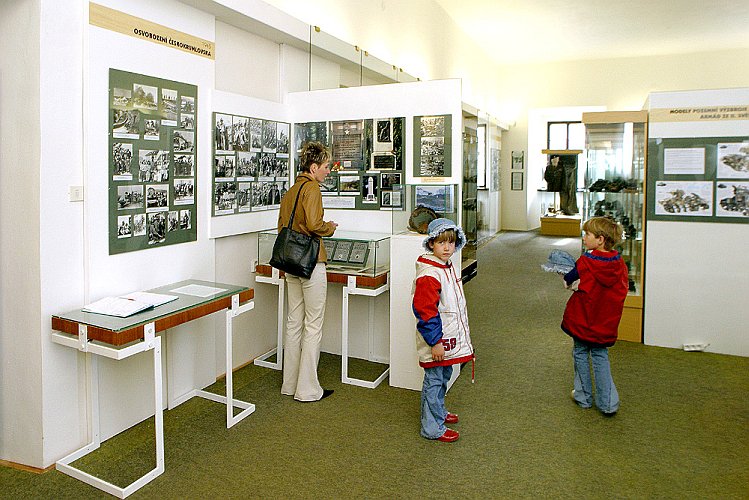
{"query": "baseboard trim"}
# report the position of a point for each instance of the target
(27, 468)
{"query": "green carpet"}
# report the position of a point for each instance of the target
(681, 431)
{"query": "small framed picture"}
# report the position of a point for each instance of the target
(517, 181)
(518, 160)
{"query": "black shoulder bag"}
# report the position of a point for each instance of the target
(293, 252)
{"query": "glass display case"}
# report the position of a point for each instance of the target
(349, 252)
(614, 187)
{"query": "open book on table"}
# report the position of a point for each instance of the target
(127, 305)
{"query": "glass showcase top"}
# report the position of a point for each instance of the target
(349, 252)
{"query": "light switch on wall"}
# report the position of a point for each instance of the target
(75, 193)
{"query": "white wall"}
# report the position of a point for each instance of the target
(696, 284)
(20, 317)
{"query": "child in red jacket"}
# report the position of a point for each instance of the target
(592, 315)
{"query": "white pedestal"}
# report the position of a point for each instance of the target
(405, 371)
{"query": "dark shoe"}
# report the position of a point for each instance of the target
(611, 414)
(326, 393)
(451, 418)
(449, 436)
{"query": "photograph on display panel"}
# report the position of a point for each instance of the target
(732, 199)
(688, 198)
(240, 133)
(146, 111)
(432, 146)
(438, 198)
(733, 160)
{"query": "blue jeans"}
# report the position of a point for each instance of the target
(433, 410)
(607, 398)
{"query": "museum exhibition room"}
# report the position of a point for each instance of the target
(155, 309)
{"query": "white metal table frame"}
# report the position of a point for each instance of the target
(150, 342)
(349, 289)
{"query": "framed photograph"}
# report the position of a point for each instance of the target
(518, 160)
(684, 198)
(329, 247)
(349, 184)
(438, 198)
(391, 199)
(389, 180)
(370, 188)
(359, 252)
(517, 181)
(342, 251)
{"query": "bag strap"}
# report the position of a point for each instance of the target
(293, 210)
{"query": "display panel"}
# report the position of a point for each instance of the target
(152, 167)
(433, 146)
(702, 179)
(250, 163)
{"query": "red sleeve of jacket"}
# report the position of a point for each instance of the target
(426, 309)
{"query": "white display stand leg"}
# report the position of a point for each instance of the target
(351, 289)
(274, 279)
(150, 343)
(228, 400)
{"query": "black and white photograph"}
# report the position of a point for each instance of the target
(224, 197)
(390, 180)
(172, 221)
(733, 160)
(184, 165)
(383, 132)
(432, 166)
(432, 146)
(342, 251)
(121, 97)
(370, 188)
(256, 135)
(348, 143)
(349, 184)
(329, 185)
(432, 126)
(153, 165)
(222, 133)
(169, 107)
(156, 227)
(244, 197)
(359, 251)
(185, 219)
(240, 133)
(186, 121)
(248, 165)
(270, 141)
(151, 129)
(157, 197)
(282, 140)
(130, 197)
(438, 198)
(268, 167)
(183, 141)
(139, 225)
(690, 198)
(732, 199)
(187, 104)
(329, 247)
(145, 97)
(126, 124)
(122, 160)
(124, 226)
(184, 191)
(282, 168)
(391, 199)
(223, 167)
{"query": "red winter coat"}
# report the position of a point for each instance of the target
(593, 312)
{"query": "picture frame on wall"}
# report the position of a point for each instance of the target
(516, 181)
(518, 160)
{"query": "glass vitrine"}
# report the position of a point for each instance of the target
(614, 184)
(349, 252)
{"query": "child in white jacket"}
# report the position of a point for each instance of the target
(443, 337)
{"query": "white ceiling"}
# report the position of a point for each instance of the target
(558, 30)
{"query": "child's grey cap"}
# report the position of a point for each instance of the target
(438, 226)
